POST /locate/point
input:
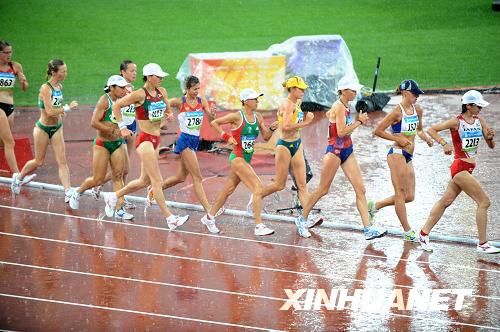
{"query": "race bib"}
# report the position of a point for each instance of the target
(247, 142)
(471, 140)
(156, 110)
(7, 80)
(57, 98)
(194, 119)
(409, 125)
(300, 117)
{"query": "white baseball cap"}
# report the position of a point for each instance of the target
(474, 97)
(117, 80)
(349, 83)
(249, 94)
(153, 69)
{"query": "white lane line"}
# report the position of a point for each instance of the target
(447, 322)
(92, 306)
(142, 281)
(309, 274)
(338, 251)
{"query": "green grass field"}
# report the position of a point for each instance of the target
(443, 43)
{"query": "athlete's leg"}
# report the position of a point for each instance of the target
(472, 187)
(41, 141)
(298, 165)
(190, 162)
(8, 141)
(57, 142)
(353, 173)
(449, 196)
(117, 161)
(181, 175)
(409, 192)
(282, 162)
(397, 166)
(149, 158)
(230, 185)
(100, 159)
(247, 175)
(331, 164)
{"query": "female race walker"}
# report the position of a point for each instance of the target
(405, 121)
(9, 70)
(289, 151)
(245, 127)
(467, 131)
(108, 147)
(151, 105)
(48, 128)
(191, 111)
(339, 152)
(128, 70)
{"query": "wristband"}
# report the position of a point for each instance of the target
(122, 125)
(271, 129)
(66, 108)
(226, 136)
(360, 122)
(443, 143)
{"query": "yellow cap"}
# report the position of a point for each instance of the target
(295, 82)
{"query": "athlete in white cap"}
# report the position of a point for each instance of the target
(245, 127)
(467, 132)
(108, 147)
(151, 106)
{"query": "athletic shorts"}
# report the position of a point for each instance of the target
(7, 108)
(50, 130)
(145, 137)
(187, 141)
(111, 146)
(408, 156)
(292, 146)
(343, 154)
(459, 166)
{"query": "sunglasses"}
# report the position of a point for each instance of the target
(480, 107)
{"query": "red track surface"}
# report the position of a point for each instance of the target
(63, 269)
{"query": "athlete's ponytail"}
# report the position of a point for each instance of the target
(124, 65)
(398, 90)
(3, 45)
(53, 67)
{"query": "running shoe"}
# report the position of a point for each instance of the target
(300, 222)
(67, 195)
(261, 230)
(176, 221)
(424, 242)
(96, 192)
(410, 236)
(210, 223)
(74, 200)
(372, 232)
(371, 211)
(110, 199)
(122, 214)
(150, 199)
(488, 248)
(313, 221)
(221, 211)
(250, 206)
(28, 178)
(128, 204)
(15, 185)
